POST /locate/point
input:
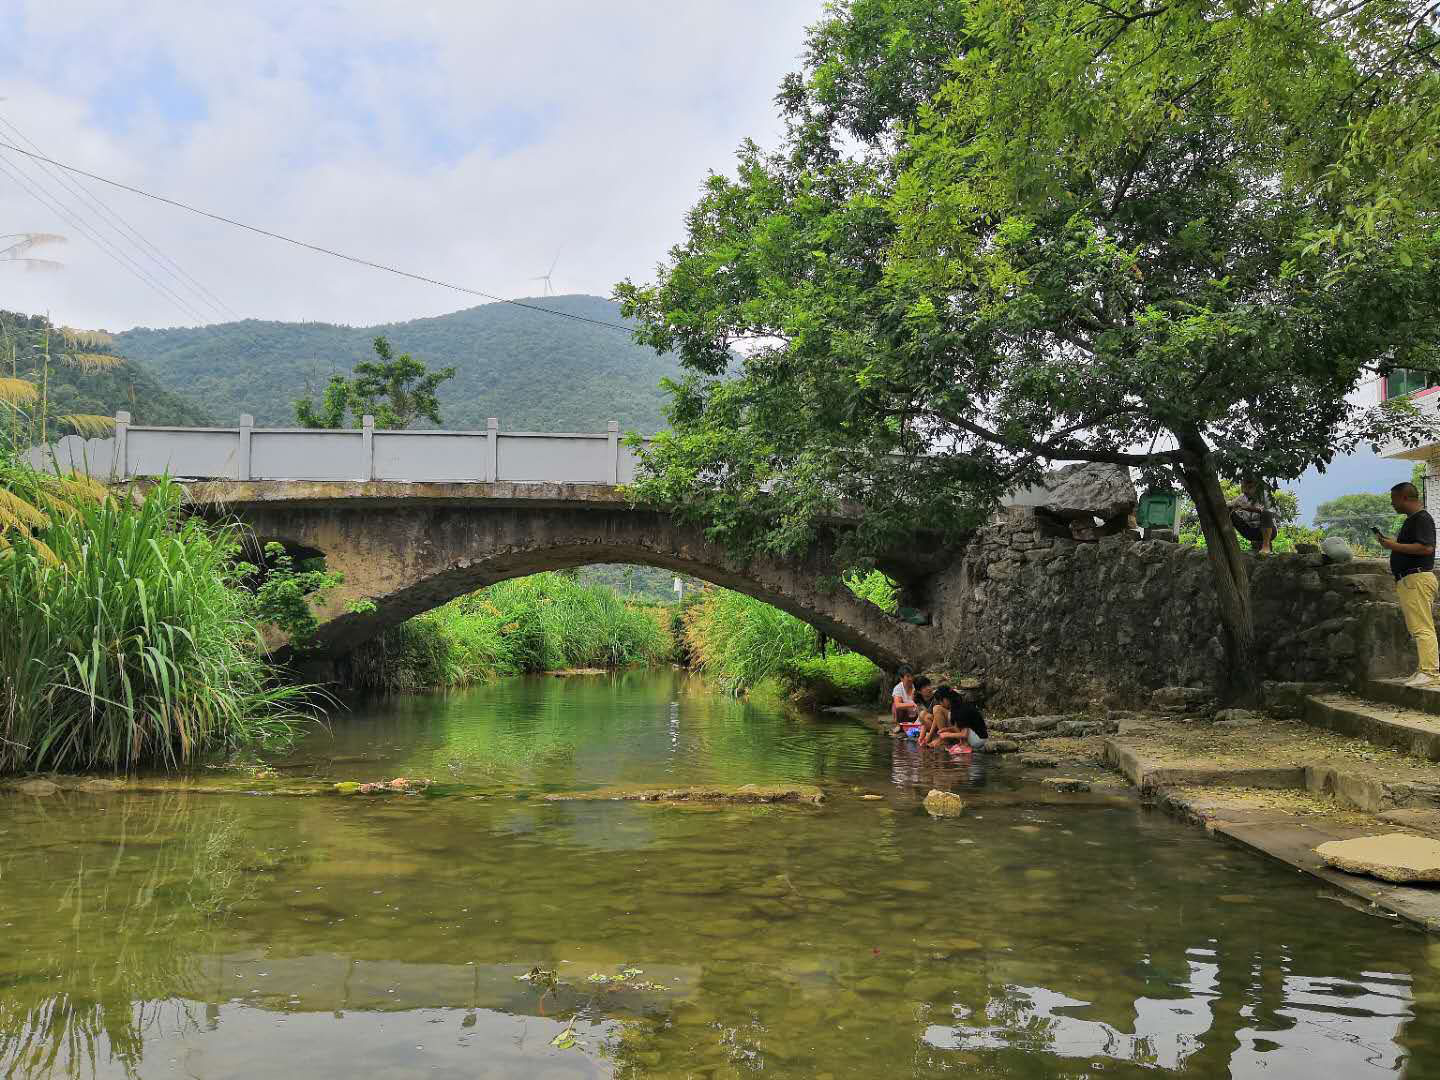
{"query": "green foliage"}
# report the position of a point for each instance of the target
(741, 642)
(545, 622)
(535, 372)
(131, 643)
(1176, 238)
(395, 390)
(79, 374)
(876, 588)
(1353, 516)
(840, 678)
(286, 593)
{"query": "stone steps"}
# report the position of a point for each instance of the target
(1383, 723)
(1352, 786)
(1395, 692)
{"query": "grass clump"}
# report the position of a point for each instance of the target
(544, 622)
(126, 640)
(742, 642)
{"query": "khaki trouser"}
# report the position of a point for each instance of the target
(1417, 602)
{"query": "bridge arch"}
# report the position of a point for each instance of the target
(408, 548)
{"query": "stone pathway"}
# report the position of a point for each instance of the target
(1350, 767)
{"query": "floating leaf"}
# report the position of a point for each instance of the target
(565, 1040)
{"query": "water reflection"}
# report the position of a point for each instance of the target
(1348, 1028)
(219, 936)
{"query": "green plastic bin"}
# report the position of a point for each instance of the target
(1156, 510)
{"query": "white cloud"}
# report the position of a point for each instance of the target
(466, 141)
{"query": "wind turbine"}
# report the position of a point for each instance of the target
(19, 245)
(545, 277)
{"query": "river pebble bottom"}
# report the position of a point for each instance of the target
(216, 936)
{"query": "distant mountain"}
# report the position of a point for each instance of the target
(535, 372)
(76, 374)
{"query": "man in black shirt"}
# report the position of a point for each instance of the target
(1412, 561)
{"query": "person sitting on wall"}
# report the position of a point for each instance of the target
(1412, 562)
(1253, 516)
(902, 698)
(960, 722)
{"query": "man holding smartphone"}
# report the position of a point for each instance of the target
(1412, 562)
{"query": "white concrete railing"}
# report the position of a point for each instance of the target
(250, 453)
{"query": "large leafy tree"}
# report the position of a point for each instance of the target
(1354, 516)
(396, 390)
(1173, 235)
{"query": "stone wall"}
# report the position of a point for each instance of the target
(1050, 622)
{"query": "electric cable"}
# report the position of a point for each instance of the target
(41, 195)
(313, 247)
(165, 263)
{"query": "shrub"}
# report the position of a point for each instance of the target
(539, 623)
(125, 640)
(741, 642)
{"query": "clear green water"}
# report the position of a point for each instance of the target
(209, 936)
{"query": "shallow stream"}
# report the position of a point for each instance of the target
(214, 936)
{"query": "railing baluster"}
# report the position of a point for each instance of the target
(121, 463)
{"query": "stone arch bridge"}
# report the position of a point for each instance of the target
(410, 547)
(413, 519)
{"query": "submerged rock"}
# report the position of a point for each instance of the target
(1039, 761)
(748, 793)
(944, 804)
(38, 787)
(1066, 783)
(1015, 724)
(1074, 729)
(1399, 857)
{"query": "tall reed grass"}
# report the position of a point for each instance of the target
(125, 640)
(539, 623)
(742, 643)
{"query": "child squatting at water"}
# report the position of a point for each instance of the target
(938, 719)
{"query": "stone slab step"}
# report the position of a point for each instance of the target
(1395, 692)
(1354, 787)
(1382, 723)
(1149, 776)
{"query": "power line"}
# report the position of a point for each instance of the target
(166, 264)
(41, 195)
(313, 247)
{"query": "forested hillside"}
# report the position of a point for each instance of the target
(535, 372)
(87, 373)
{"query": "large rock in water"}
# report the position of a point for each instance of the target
(1397, 857)
(944, 804)
(1089, 490)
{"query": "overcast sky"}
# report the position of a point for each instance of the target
(469, 141)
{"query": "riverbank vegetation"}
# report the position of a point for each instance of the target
(126, 637)
(744, 643)
(544, 622)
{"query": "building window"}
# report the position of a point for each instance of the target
(1403, 381)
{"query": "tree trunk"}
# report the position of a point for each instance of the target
(1241, 681)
